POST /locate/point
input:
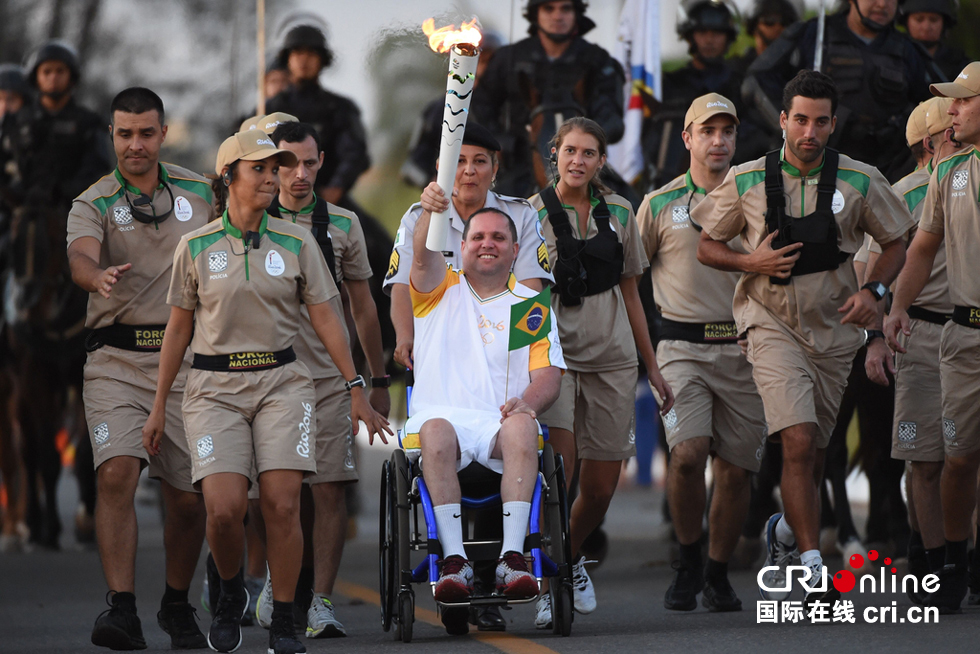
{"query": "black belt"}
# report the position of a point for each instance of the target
(934, 317)
(967, 316)
(243, 361)
(698, 332)
(135, 338)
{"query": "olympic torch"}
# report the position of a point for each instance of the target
(464, 54)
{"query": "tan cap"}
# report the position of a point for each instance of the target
(252, 145)
(937, 115)
(966, 84)
(915, 128)
(268, 123)
(707, 106)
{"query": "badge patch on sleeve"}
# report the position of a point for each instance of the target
(392, 265)
(543, 260)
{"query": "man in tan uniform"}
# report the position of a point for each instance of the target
(917, 425)
(716, 407)
(950, 211)
(799, 300)
(122, 233)
(341, 240)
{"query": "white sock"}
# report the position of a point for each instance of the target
(515, 526)
(812, 560)
(784, 534)
(450, 528)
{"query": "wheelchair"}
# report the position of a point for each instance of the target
(403, 493)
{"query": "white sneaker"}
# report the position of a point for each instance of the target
(584, 590)
(777, 554)
(323, 622)
(263, 608)
(542, 612)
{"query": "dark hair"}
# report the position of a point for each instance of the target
(813, 85)
(510, 221)
(591, 128)
(220, 190)
(293, 132)
(918, 150)
(136, 100)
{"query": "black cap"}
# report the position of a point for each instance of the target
(478, 135)
(305, 36)
(54, 50)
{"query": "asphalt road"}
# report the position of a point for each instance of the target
(49, 600)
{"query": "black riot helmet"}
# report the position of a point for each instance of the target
(582, 22)
(305, 36)
(720, 15)
(946, 8)
(789, 11)
(54, 50)
(872, 25)
(13, 78)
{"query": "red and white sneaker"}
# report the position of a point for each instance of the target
(514, 579)
(455, 580)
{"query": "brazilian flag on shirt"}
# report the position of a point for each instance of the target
(530, 320)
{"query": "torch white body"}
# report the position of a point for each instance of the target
(459, 92)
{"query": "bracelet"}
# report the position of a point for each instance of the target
(381, 382)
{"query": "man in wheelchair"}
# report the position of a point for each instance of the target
(475, 399)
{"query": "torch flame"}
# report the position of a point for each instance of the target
(443, 39)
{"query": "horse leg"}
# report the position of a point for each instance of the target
(84, 472)
(11, 469)
(41, 410)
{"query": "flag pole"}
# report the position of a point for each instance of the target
(260, 47)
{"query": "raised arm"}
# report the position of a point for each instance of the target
(428, 267)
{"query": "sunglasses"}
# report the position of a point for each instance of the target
(145, 200)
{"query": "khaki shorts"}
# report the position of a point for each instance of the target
(600, 409)
(960, 371)
(917, 434)
(232, 418)
(335, 452)
(796, 387)
(118, 394)
(714, 397)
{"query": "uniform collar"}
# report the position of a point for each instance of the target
(305, 211)
(691, 186)
(593, 200)
(929, 167)
(792, 170)
(164, 179)
(457, 221)
(235, 232)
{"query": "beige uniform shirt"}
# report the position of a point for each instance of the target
(685, 289)
(103, 212)
(248, 300)
(806, 308)
(951, 209)
(935, 294)
(596, 335)
(351, 262)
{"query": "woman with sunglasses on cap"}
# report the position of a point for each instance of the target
(237, 286)
(597, 256)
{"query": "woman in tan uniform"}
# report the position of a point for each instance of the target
(597, 257)
(236, 288)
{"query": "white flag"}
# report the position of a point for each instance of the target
(638, 51)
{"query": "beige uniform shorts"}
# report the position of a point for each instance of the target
(917, 434)
(232, 418)
(714, 396)
(118, 394)
(600, 409)
(796, 387)
(959, 367)
(335, 452)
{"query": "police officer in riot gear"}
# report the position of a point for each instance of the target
(710, 28)
(532, 86)
(765, 22)
(927, 23)
(881, 75)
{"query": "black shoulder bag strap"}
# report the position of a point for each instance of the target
(601, 215)
(556, 213)
(774, 182)
(827, 185)
(321, 232)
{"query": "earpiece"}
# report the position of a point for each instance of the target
(227, 177)
(554, 157)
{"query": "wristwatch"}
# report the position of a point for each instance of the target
(381, 382)
(352, 383)
(872, 334)
(877, 289)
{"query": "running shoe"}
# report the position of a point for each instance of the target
(514, 580)
(225, 634)
(582, 584)
(179, 621)
(119, 627)
(718, 596)
(919, 568)
(263, 605)
(542, 612)
(682, 595)
(777, 554)
(282, 636)
(322, 622)
(954, 582)
(455, 580)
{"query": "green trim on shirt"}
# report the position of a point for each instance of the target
(914, 196)
(860, 181)
(199, 244)
(288, 241)
(948, 164)
(343, 223)
(103, 203)
(749, 178)
(661, 200)
(621, 213)
(234, 232)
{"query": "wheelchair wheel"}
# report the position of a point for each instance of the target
(406, 615)
(557, 542)
(400, 510)
(388, 547)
